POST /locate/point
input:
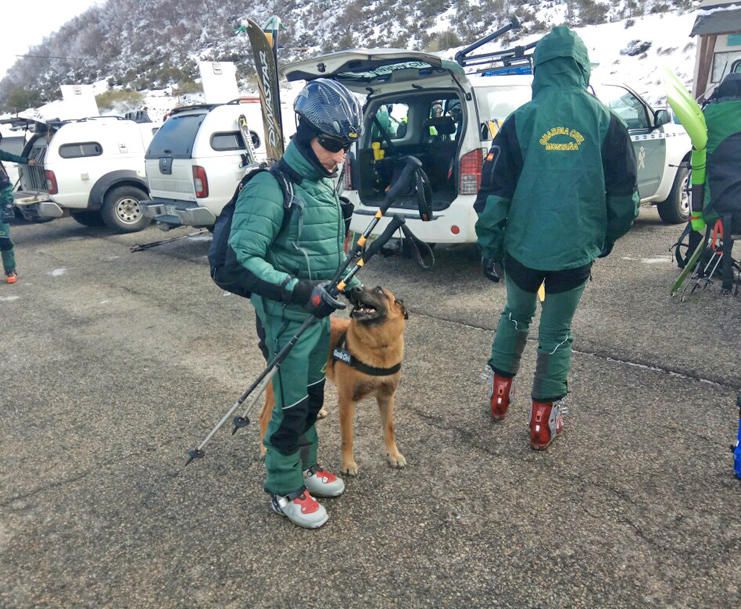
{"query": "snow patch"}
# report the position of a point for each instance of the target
(57, 272)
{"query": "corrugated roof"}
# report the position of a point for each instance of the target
(718, 18)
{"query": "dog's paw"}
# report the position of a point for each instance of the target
(398, 461)
(322, 413)
(349, 467)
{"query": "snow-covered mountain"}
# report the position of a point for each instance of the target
(153, 44)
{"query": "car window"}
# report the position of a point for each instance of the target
(13, 144)
(496, 103)
(736, 67)
(625, 105)
(392, 119)
(175, 137)
(232, 140)
(724, 63)
(80, 149)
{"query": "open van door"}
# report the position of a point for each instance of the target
(359, 69)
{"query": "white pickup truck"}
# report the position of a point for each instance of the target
(91, 169)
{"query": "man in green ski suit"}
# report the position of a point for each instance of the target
(290, 263)
(558, 189)
(6, 214)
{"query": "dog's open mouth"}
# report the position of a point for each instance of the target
(370, 305)
(364, 312)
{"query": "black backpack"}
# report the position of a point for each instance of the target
(225, 269)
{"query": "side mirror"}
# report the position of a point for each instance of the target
(662, 117)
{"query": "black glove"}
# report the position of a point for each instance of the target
(353, 295)
(606, 249)
(491, 269)
(320, 302)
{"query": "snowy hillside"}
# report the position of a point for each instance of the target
(145, 45)
(666, 36)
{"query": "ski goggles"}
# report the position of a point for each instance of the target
(333, 144)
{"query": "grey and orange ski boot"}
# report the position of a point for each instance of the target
(300, 508)
(322, 483)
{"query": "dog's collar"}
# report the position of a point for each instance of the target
(342, 354)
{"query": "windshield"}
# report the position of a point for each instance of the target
(496, 103)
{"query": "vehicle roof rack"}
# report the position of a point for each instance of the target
(516, 60)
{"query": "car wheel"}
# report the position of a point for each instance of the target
(676, 208)
(122, 209)
(88, 218)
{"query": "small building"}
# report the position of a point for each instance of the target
(718, 28)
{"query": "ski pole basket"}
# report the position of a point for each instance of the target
(515, 60)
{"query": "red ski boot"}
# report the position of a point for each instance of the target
(546, 422)
(500, 396)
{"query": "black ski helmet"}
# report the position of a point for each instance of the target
(331, 109)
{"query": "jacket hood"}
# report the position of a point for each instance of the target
(562, 60)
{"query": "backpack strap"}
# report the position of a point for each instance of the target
(286, 177)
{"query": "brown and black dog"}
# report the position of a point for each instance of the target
(365, 354)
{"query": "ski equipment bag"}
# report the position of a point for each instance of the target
(225, 269)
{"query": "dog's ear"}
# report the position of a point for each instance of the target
(404, 311)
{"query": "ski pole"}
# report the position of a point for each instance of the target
(337, 287)
(270, 370)
(411, 165)
(337, 284)
(145, 246)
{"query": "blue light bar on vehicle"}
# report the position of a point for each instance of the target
(524, 69)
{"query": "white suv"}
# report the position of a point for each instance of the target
(418, 104)
(196, 160)
(91, 169)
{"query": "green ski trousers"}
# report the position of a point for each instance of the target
(6, 245)
(554, 337)
(291, 439)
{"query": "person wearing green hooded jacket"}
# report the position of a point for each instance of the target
(558, 189)
(7, 249)
(290, 262)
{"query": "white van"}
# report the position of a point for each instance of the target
(419, 104)
(196, 160)
(91, 169)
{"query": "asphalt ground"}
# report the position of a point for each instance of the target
(115, 363)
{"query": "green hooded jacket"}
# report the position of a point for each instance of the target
(308, 246)
(559, 183)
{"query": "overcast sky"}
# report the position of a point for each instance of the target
(25, 24)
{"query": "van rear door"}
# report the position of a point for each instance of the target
(168, 159)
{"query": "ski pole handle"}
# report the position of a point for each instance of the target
(412, 163)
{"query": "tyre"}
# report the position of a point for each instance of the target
(122, 209)
(88, 218)
(676, 208)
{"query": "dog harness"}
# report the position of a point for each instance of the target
(342, 354)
